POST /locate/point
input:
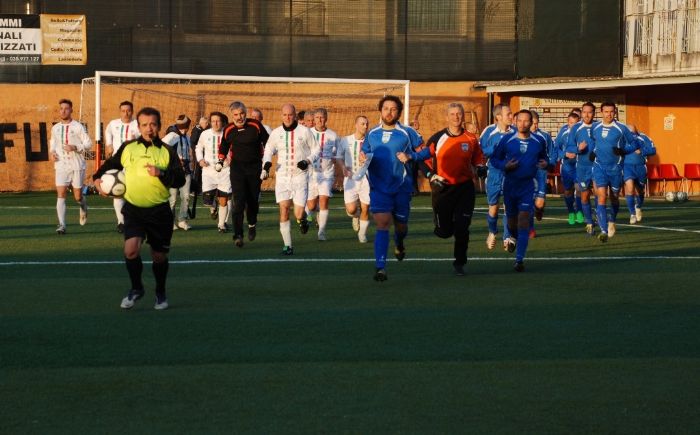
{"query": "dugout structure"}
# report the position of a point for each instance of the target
(198, 95)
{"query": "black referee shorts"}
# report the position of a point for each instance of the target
(154, 224)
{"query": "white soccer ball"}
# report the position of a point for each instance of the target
(113, 183)
(681, 196)
(671, 197)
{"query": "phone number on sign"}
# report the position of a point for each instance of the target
(4, 58)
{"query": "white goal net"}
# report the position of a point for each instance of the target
(198, 95)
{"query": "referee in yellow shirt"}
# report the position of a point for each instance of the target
(151, 168)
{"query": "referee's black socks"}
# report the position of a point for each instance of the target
(160, 272)
(135, 267)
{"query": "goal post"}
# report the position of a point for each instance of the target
(196, 95)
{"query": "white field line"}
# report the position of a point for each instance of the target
(348, 260)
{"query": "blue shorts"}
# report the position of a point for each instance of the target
(610, 176)
(541, 183)
(568, 175)
(398, 204)
(494, 185)
(518, 195)
(584, 177)
(636, 172)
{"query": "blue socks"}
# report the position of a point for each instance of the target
(492, 223)
(587, 213)
(381, 245)
(521, 247)
(579, 207)
(602, 212)
(630, 203)
(640, 200)
(569, 201)
(398, 237)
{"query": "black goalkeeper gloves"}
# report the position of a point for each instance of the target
(618, 151)
(481, 171)
(591, 156)
(303, 165)
(265, 171)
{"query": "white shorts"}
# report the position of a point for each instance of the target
(354, 190)
(319, 184)
(295, 188)
(70, 177)
(212, 180)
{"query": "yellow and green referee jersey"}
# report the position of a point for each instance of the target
(142, 189)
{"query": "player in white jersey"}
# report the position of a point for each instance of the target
(69, 141)
(117, 132)
(177, 138)
(347, 156)
(296, 150)
(322, 177)
(216, 176)
(258, 115)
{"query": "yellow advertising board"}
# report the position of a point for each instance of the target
(64, 39)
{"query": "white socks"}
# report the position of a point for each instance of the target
(61, 211)
(118, 204)
(223, 215)
(285, 230)
(363, 227)
(322, 220)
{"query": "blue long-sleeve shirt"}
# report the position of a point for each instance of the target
(646, 149)
(549, 144)
(581, 132)
(608, 137)
(527, 152)
(489, 138)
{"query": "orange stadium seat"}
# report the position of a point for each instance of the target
(652, 175)
(691, 172)
(669, 172)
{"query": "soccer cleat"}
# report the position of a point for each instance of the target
(83, 217)
(303, 226)
(222, 230)
(161, 303)
(131, 298)
(238, 241)
(120, 228)
(61, 230)
(519, 266)
(589, 230)
(509, 244)
(362, 238)
(633, 219)
(184, 225)
(380, 275)
(356, 223)
(572, 218)
(539, 213)
(638, 213)
(400, 252)
(174, 227)
(459, 269)
(532, 234)
(603, 237)
(252, 232)
(214, 213)
(321, 236)
(287, 250)
(491, 241)
(611, 229)
(579, 217)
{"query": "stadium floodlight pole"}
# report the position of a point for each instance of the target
(124, 74)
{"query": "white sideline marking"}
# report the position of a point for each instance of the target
(348, 260)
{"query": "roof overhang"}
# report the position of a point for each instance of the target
(553, 84)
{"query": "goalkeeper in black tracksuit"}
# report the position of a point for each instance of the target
(244, 141)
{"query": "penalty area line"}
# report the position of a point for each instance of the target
(349, 260)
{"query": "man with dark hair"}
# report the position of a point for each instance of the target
(568, 171)
(519, 156)
(216, 176)
(118, 131)
(579, 145)
(243, 144)
(69, 140)
(150, 169)
(386, 152)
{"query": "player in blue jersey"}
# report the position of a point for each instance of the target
(635, 174)
(568, 170)
(578, 146)
(519, 155)
(490, 137)
(612, 141)
(386, 151)
(541, 177)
